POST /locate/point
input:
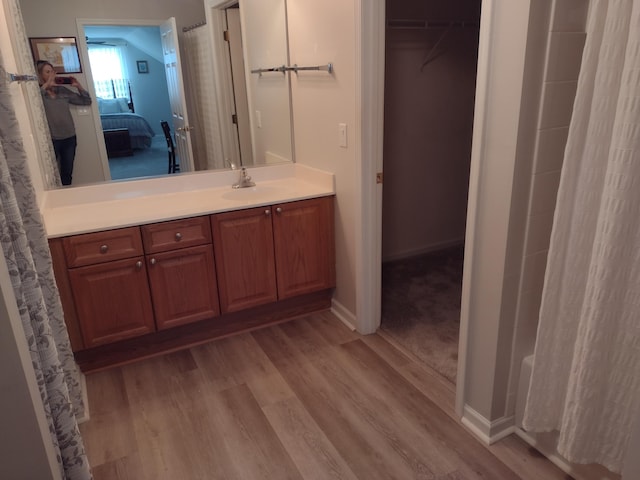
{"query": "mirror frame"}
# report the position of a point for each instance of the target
(83, 49)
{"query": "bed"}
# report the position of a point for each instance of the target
(116, 115)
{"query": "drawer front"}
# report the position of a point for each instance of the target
(100, 247)
(190, 232)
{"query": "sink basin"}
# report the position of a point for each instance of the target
(254, 194)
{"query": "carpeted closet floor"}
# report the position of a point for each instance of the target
(421, 307)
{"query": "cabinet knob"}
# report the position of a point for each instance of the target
(138, 264)
(178, 236)
(104, 248)
(152, 261)
(267, 212)
(279, 210)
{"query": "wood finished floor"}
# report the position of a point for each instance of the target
(308, 399)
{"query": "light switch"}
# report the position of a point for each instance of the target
(258, 119)
(342, 135)
(83, 111)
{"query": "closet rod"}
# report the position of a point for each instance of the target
(428, 24)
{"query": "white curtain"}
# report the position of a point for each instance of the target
(109, 71)
(207, 148)
(586, 376)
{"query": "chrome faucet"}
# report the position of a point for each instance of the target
(244, 181)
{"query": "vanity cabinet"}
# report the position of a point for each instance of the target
(145, 290)
(273, 253)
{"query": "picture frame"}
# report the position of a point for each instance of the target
(143, 66)
(61, 52)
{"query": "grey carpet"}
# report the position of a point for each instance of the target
(421, 307)
(147, 162)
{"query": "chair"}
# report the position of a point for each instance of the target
(171, 149)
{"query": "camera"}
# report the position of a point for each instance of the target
(64, 80)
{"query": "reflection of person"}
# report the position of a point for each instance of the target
(56, 99)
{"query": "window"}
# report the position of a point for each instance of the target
(109, 71)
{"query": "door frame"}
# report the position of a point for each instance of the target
(83, 50)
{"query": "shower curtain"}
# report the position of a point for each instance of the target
(24, 245)
(586, 375)
(207, 147)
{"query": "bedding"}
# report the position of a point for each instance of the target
(115, 114)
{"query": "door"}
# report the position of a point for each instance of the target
(169, 272)
(113, 301)
(175, 84)
(236, 55)
(304, 246)
(244, 258)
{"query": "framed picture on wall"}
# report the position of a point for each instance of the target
(143, 66)
(61, 52)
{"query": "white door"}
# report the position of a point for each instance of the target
(239, 85)
(175, 85)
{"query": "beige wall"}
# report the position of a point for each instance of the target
(427, 126)
(319, 33)
(58, 18)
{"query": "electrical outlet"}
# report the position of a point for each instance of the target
(342, 135)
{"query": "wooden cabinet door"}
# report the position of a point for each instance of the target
(183, 286)
(243, 248)
(112, 301)
(304, 246)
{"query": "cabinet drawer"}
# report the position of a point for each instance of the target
(100, 247)
(190, 232)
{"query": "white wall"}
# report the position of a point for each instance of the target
(519, 140)
(58, 18)
(427, 127)
(264, 29)
(319, 33)
(564, 42)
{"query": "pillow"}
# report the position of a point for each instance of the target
(113, 105)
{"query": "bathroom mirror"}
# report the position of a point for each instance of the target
(263, 44)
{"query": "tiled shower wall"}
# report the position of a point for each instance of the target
(565, 43)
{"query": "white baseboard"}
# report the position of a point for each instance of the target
(422, 250)
(487, 431)
(343, 314)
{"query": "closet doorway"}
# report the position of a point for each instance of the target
(430, 75)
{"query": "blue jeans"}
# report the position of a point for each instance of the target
(65, 153)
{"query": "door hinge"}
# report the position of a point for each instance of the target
(225, 35)
(234, 119)
(379, 177)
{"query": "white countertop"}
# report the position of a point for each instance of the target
(69, 211)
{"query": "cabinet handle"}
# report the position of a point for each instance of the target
(104, 248)
(178, 237)
(152, 261)
(278, 210)
(267, 212)
(138, 264)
